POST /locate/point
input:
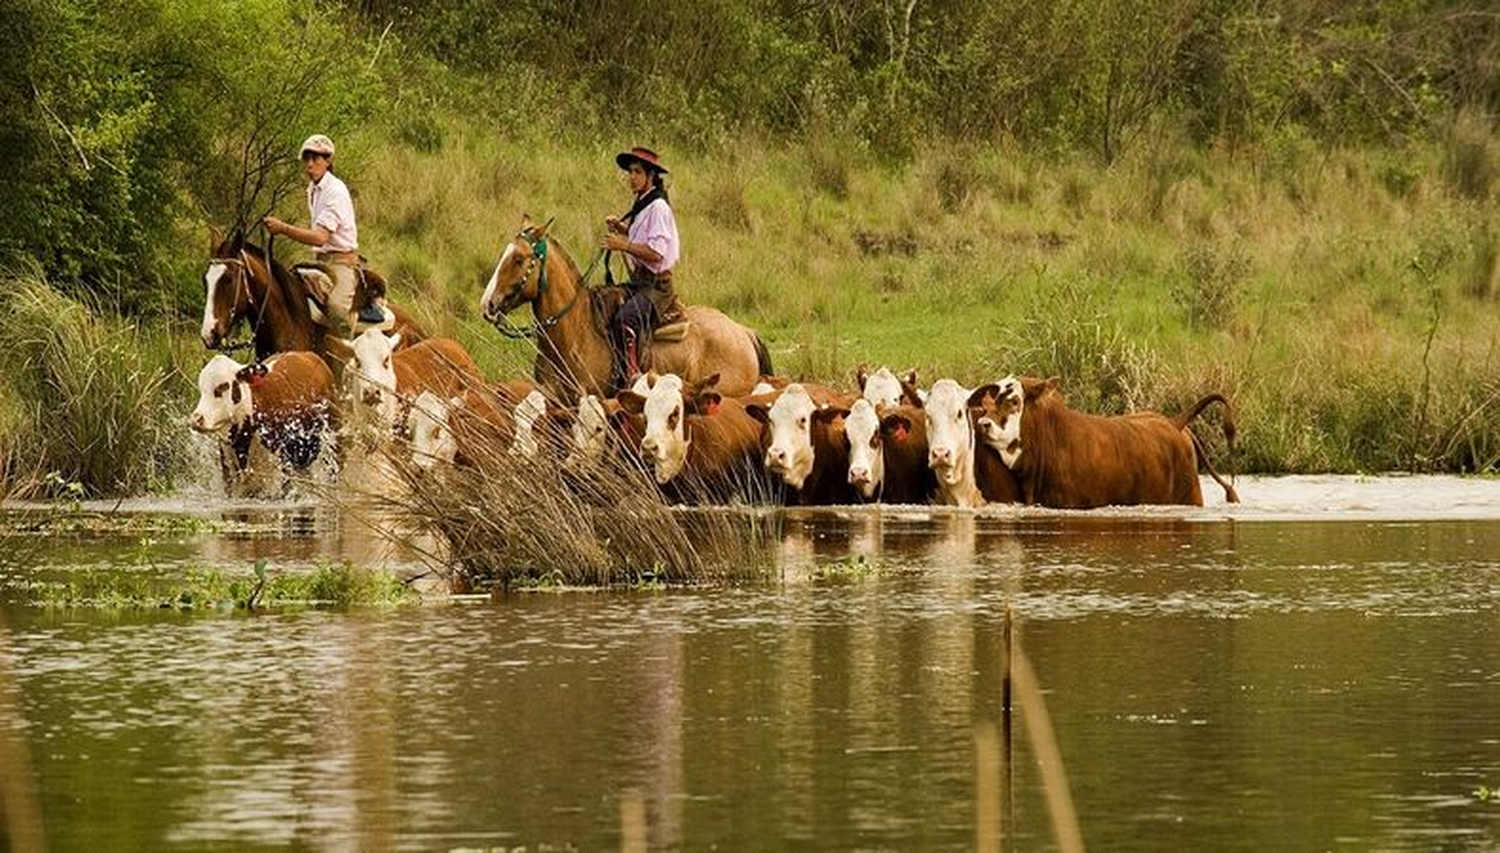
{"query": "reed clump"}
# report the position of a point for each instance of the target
(86, 407)
(507, 520)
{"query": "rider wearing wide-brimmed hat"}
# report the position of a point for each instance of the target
(334, 235)
(647, 236)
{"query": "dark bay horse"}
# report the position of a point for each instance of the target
(243, 283)
(574, 355)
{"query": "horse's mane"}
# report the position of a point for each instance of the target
(283, 278)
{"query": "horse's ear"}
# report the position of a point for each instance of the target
(542, 231)
(215, 239)
(525, 221)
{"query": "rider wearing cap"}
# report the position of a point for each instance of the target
(647, 236)
(334, 236)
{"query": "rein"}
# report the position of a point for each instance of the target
(502, 322)
(242, 276)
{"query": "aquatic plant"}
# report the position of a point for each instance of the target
(339, 585)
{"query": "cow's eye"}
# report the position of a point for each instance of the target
(672, 420)
(875, 441)
(219, 391)
(387, 363)
(802, 423)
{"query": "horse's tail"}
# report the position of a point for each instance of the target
(762, 356)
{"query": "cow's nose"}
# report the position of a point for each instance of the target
(859, 475)
(195, 421)
(939, 455)
(776, 457)
(371, 396)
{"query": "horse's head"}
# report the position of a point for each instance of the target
(227, 299)
(520, 274)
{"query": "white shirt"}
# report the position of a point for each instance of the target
(656, 227)
(332, 209)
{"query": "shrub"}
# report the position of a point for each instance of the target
(1213, 273)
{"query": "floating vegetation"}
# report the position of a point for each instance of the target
(341, 585)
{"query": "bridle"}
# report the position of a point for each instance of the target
(242, 285)
(538, 259)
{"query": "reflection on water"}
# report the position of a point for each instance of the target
(1213, 686)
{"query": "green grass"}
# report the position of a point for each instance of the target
(1302, 281)
(340, 585)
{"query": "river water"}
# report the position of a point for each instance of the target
(1316, 669)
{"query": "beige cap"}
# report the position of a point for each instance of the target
(317, 144)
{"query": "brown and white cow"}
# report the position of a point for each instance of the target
(704, 444)
(1068, 459)
(804, 442)
(888, 453)
(286, 404)
(477, 427)
(387, 378)
(968, 473)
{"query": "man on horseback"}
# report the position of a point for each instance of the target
(334, 237)
(647, 236)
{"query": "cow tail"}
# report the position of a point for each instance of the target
(1230, 495)
(1230, 434)
(762, 356)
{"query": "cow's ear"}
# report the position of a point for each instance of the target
(976, 399)
(861, 376)
(895, 428)
(910, 378)
(395, 339)
(234, 392)
(705, 403)
(909, 392)
(631, 402)
(1036, 387)
(758, 411)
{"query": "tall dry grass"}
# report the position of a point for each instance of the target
(505, 520)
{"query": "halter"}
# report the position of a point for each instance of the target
(538, 248)
(241, 285)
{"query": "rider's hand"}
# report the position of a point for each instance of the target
(274, 225)
(616, 243)
(613, 223)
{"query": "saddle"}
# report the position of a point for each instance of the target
(671, 327)
(316, 280)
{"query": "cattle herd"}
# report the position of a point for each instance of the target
(884, 440)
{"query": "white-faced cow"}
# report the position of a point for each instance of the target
(286, 404)
(888, 453)
(804, 442)
(704, 444)
(1068, 459)
(385, 377)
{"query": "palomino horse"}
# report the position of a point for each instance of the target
(243, 283)
(574, 356)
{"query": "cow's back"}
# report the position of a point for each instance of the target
(440, 365)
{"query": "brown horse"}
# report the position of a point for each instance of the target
(574, 355)
(243, 283)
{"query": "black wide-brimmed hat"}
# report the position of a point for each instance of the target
(645, 156)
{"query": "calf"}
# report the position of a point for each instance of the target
(288, 403)
(387, 378)
(704, 443)
(1068, 459)
(888, 453)
(805, 444)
